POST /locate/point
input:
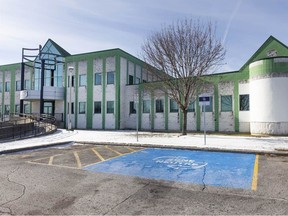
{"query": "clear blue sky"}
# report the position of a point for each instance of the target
(81, 26)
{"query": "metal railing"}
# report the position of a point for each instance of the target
(19, 126)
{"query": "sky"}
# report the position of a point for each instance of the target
(81, 26)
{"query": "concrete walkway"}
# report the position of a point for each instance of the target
(272, 145)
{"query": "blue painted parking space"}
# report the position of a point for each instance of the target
(233, 170)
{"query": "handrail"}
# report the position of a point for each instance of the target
(19, 126)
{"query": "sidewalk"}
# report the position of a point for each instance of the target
(272, 145)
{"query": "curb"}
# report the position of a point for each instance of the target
(279, 152)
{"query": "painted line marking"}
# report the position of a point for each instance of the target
(255, 173)
(113, 150)
(51, 160)
(98, 154)
(130, 149)
(53, 165)
(79, 165)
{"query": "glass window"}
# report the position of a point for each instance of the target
(17, 108)
(97, 79)
(18, 85)
(173, 106)
(97, 107)
(26, 84)
(72, 81)
(6, 109)
(110, 106)
(226, 103)
(244, 102)
(191, 107)
(7, 86)
(82, 80)
(159, 106)
(132, 107)
(210, 107)
(110, 77)
(82, 107)
(27, 108)
(131, 80)
(72, 107)
(1, 87)
(146, 106)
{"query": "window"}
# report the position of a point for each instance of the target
(159, 106)
(131, 80)
(6, 109)
(226, 103)
(17, 108)
(26, 84)
(191, 107)
(18, 85)
(97, 79)
(210, 107)
(132, 107)
(97, 107)
(1, 87)
(110, 106)
(82, 107)
(72, 81)
(244, 102)
(173, 106)
(146, 106)
(7, 86)
(110, 77)
(72, 108)
(82, 80)
(27, 108)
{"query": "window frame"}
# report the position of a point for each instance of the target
(241, 99)
(159, 103)
(100, 107)
(99, 75)
(7, 86)
(81, 80)
(132, 107)
(149, 106)
(81, 111)
(108, 80)
(222, 100)
(18, 85)
(210, 106)
(172, 103)
(108, 109)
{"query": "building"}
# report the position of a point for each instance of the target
(103, 90)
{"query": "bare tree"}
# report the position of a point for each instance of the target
(183, 52)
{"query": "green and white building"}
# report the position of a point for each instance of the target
(102, 90)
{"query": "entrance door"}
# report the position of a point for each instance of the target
(49, 107)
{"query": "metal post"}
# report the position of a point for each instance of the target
(204, 125)
(42, 86)
(71, 69)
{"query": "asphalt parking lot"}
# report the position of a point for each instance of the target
(103, 179)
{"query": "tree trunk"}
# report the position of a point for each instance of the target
(184, 123)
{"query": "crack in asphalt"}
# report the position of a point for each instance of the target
(203, 178)
(125, 199)
(17, 198)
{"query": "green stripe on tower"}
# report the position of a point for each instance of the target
(76, 94)
(236, 105)
(12, 92)
(103, 93)
(89, 116)
(118, 93)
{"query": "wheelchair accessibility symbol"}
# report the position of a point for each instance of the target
(179, 162)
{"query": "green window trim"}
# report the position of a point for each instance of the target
(110, 78)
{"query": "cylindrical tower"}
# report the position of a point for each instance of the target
(269, 96)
